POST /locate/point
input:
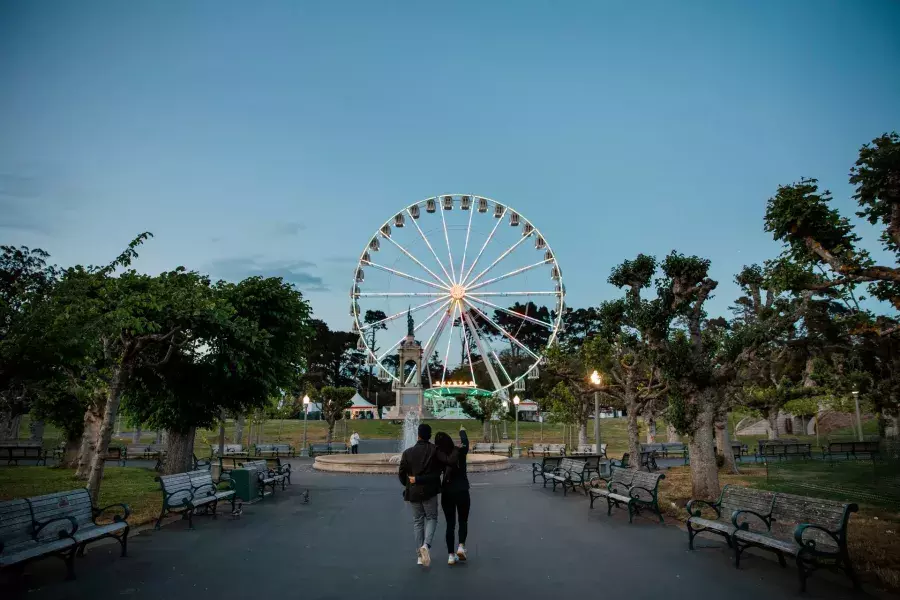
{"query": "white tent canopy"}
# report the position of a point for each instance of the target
(358, 402)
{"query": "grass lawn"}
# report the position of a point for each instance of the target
(132, 486)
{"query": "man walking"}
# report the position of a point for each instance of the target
(420, 469)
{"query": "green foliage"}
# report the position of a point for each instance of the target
(564, 405)
(876, 176)
(481, 408)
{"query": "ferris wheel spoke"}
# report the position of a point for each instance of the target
(514, 313)
(481, 294)
(485, 357)
(483, 246)
(399, 294)
(416, 260)
(462, 265)
(449, 252)
(401, 313)
(493, 264)
(417, 327)
(502, 331)
(510, 274)
(497, 358)
(407, 276)
(432, 340)
(466, 342)
(452, 312)
(427, 243)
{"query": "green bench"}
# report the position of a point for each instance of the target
(13, 452)
(267, 477)
(647, 461)
(155, 452)
(332, 448)
(60, 524)
(633, 489)
(275, 450)
(230, 449)
(185, 493)
(867, 450)
(812, 531)
(570, 474)
(542, 469)
(733, 498)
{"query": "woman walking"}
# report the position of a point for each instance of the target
(455, 500)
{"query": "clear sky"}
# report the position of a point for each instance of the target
(275, 137)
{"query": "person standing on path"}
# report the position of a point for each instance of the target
(354, 443)
(423, 461)
(455, 500)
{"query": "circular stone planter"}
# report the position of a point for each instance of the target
(388, 464)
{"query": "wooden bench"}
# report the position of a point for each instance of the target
(504, 449)
(670, 449)
(186, 492)
(811, 530)
(648, 461)
(59, 524)
(481, 448)
(732, 499)
(547, 465)
(595, 465)
(155, 452)
(13, 452)
(634, 489)
(227, 464)
(780, 449)
(275, 450)
(869, 450)
(569, 473)
(230, 450)
(267, 477)
(589, 450)
(547, 450)
(332, 448)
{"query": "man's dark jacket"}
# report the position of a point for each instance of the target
(422, 460)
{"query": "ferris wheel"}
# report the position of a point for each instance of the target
(474, 282)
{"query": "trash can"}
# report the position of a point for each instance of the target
(246, 484)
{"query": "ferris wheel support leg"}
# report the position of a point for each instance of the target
(487, 362)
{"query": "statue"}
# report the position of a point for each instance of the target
(410, 328)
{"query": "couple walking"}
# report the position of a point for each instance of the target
(427, 470)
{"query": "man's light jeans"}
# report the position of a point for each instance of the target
(425, 515)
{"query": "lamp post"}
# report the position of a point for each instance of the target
(305, 450)
(597, 381)
(858, 418)
(516, 450)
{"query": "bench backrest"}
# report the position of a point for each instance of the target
(644, 485)
(853, 447)
(571, 465)
(338, 446)
(674, 446)
(550, 463)
(559, 448)
(177, 488)
(621, 480)
(15, 522)
(146, 449)
(481, 447)
(790, 510)
(736, 497)
(21, 451)
(651, 447)
(259, 465)
(285, 448)
(229, 449)
(540, 447)
(72, 503)
(501, 447)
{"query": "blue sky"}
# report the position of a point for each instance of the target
(276, 137)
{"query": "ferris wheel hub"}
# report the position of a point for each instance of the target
(457, 292)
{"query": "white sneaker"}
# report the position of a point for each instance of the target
(425, 556)
(451, 560)
(461, 553)
(418, 561)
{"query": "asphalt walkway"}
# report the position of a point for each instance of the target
(354, 540)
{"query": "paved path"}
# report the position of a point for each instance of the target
(354, 540)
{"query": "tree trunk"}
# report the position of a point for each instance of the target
(704, 473)
(238, 430)
(117, 383)
(259, 431)
(671, 434)
(723, 443)
(71, 452)
(582, 433)
(9, 426)
(179, 452)
(136, 435)
(88, 441)
(486, 430)
(772, 423)
(222, 436)
(634, 439)
(651, 429)
(330, 434)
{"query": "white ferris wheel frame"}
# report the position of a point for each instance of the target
(445, 288)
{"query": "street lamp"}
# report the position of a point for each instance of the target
(305, 450)
(596, 381)
(858, 419)
(516, 451)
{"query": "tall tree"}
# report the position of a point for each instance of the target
(374, 320)
(334, 401)
(482, 408)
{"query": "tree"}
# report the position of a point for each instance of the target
(374, 321)
(482, 408)
(569, 369)
(332, 357)
(249, 348)
(532, 335)
(335, 400)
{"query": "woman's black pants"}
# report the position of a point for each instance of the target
(456, 504)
